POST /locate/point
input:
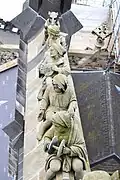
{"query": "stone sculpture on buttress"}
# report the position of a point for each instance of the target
(57, 97)
(54, 61)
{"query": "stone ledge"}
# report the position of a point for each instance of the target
(33, 162)
(80, 53)
(8, 65)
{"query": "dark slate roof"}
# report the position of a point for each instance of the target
(99, 104)
(43, 6)
(36, 27)
(35, 4)
(69, 23)
(13, 129)
(29, 22)
(25, 20)
(47, 6)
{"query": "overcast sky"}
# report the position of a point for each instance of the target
(10, 8)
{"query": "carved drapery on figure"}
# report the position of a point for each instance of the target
(65, 147)
(57, 97)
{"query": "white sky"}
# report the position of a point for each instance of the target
(10, 8)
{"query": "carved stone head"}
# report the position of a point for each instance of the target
(60, 83)
(53, 17)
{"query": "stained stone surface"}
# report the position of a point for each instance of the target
(29, 22)
(59, 6)
(35, 4)
(49, 6)
(34, 156)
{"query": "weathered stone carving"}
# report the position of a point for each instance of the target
(65, 147)
(58, 123)
(115, 175)
(57, 97)
(54, 61)
(7, 56)
(52, 20)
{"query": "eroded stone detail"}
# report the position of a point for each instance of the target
(65, 147)
(7, 56)
(54, 61)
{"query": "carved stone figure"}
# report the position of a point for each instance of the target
(65, 147)
(52, 20)
(54, 35)
(6, 56)
(97, 175)
(54, 61)
(57, 97)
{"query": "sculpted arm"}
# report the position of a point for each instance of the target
(45, 100)
(44, 103)
(72, 104)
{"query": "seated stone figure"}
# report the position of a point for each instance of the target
(57, 97)
(73, 156)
